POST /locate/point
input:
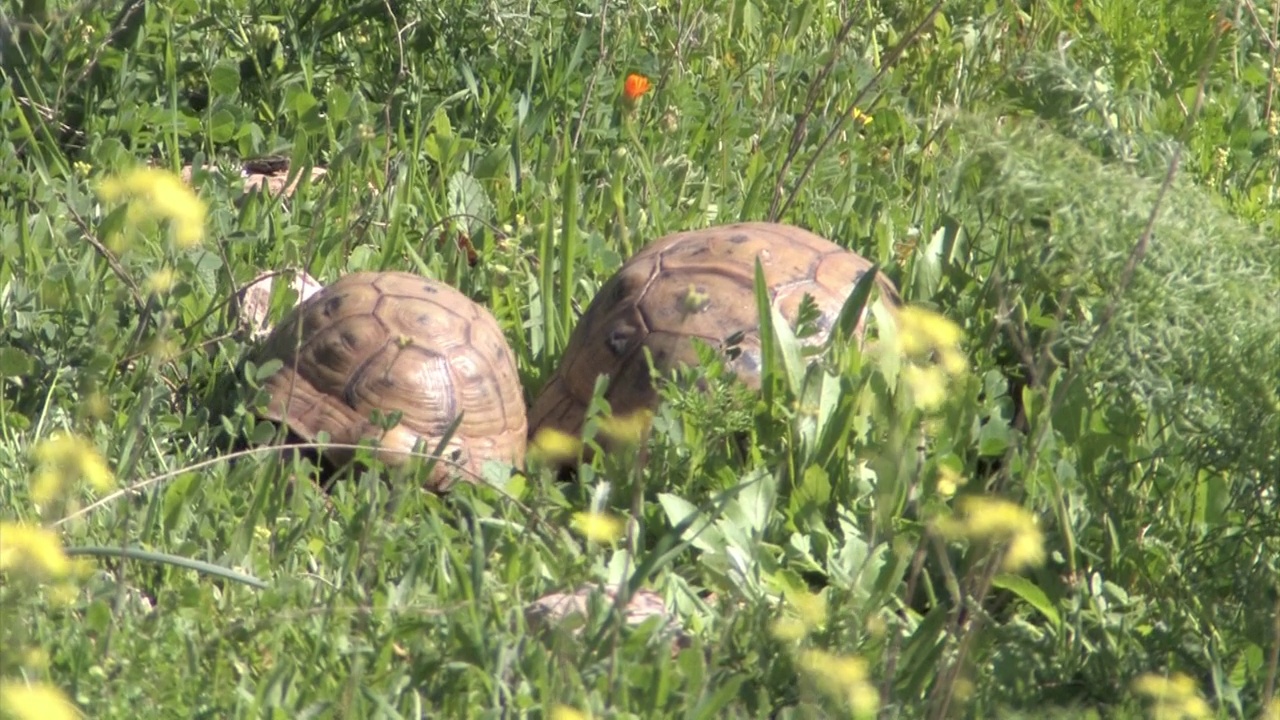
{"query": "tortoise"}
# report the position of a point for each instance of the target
(570, 610)
(395, 342)
(695, 284)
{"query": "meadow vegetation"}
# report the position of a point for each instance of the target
(1049, 490)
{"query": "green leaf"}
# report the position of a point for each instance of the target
(708, 538)
(299, 101)
(493, 164)
(339, 102)
(222, 126)
(994, 438)
(165, 558)
(764, 310)
(852, 310)
(224, 79)
(1031, 593)
(15, 362)
(466, 196)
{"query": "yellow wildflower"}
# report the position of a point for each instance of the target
(932, 345)
(925, 332)
(564, 712)
(161, 281)
(627, 430)
(861, 117)
(949, 480)
(842, 676)
(598, 527)
(788, 629)
(999, 521)
(554, 447)
(33, 550)
(928, 385)
(1172, 697)
(65, 456)
(810, 611)
(161, 195)
(811, 607)
(35, 702)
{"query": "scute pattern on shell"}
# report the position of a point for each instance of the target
(695, 284)
(559, 609)
(394, 341)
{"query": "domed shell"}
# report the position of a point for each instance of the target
(695, 284)
(396, 342)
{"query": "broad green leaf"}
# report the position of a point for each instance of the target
(14, 362)
(1031, 593)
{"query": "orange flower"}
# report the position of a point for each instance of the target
(635, 86)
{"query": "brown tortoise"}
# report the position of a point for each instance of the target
(695, 284)
(397, 342)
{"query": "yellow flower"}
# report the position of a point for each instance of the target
(924, 331)
(999, 521)
(842, 676)
(554, 447)
(33, 550)
(932, 345)
(564, 712)
(810, 611)
(160, 195)
(928, 386)
(949, 480)
(161, 281)
(627, 430)
(598, 527)
(64, 457)
(35, 702)
(811, 607)
(1172, 697)
(861, 117)
(789, 629)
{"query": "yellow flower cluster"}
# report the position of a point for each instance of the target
(556, 447)
(1173, 697)
(564, 712)
(843, 677)
(159, 195)
(932, 345)
(65, 458)
(32, 550)
(22, 701)
(598, 527)
(809, 613)
(35, 554)
(995, 520)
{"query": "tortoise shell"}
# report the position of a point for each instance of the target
(571, 609)
(695, 284)
(396, 342)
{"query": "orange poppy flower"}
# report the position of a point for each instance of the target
(635, 86)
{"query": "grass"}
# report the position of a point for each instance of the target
(1085, 189)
